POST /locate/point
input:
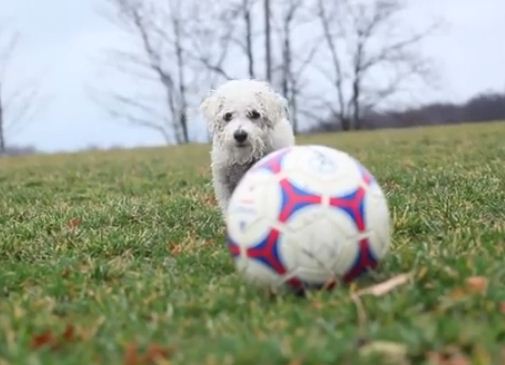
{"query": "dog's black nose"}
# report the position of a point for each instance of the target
(240, 135)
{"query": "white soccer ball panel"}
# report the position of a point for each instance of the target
(271, 156)
(377, 220)
(305, 217)
(253, 208)
(257, 273)
(321, 170)
(318, 243)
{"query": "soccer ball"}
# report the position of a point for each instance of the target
(305, 217)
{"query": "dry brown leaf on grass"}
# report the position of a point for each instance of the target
(477, 284)
(448, 357)
(393, 352)
(42, 339)
(176, 250)
(157, 354)
(474, 285)
(377, 290)
(457, 294)
(74, 223)
(296, 362)
(187, 244)
(131, 356)
(85, 333)
(209, 200)
(502, 307)
(69, 334)
(154, 355)
(48, 339)
(386, 286)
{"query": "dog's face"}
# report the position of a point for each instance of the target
(241, 115)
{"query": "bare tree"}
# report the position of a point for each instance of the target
(233, 25)
(365, 39)
(239, 19)
(362, 50)
(161, 59)
(244, 10)
(205, 32)
(268, 39)
(292, 14)
(17, 102)
(247, 6)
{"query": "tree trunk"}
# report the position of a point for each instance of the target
(289, 89)
(356, 115)
(268, 41)
(336, 61)
(286, 64)
(248, 39)
(356, 83)
(2, 137)
(294, 108)
(183, 121)
(346, 123)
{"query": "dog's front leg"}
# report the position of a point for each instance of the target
(221, 189)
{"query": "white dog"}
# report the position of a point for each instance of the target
(247, 120)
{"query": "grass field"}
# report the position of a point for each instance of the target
(119, 258)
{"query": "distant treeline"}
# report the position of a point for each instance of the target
(481, 108)
(18, 151)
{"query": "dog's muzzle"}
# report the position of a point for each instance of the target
(240, 137)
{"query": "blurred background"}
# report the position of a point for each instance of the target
(101, 74)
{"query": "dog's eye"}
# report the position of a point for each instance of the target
(227, 116)
(254, 114)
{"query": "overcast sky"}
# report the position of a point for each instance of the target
(63, 44)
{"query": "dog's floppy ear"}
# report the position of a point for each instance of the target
(210, 108)
(284, 106)
(276, 106)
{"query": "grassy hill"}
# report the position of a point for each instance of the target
(119, 258)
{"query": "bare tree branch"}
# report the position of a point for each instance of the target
(161, 58)
(18, 103)
(211, 59)
(338, 80)
(292, 67)
(7, 51)
(268, 39)
(217, 68)
(375, 42)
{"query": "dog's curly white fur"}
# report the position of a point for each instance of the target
(247, 120)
